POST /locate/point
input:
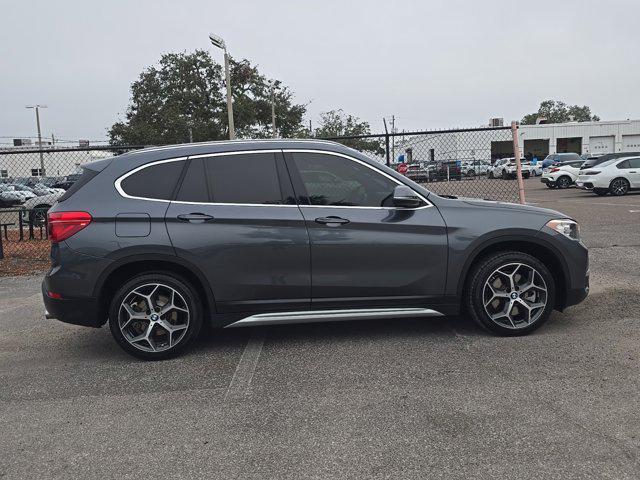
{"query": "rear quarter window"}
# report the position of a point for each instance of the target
(85, 178)
(155, 182)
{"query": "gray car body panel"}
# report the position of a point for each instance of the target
(261, 258)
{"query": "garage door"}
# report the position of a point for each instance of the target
(631, 143)
(605, 144)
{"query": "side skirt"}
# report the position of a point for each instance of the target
(311, 316)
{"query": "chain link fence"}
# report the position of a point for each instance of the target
(463, 162)
(31, 181)
(478, 162)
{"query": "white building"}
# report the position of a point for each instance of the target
(58, 163)
(534, 140)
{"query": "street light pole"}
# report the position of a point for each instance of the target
(37, 108)
(217, 41)
(273, 111)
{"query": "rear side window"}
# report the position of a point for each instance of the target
(624, 164)
(247, 178)
(155, 182)
(194, 186)
(86, 176)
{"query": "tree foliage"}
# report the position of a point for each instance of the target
(335, 123)
(187, 91)
(559, 112)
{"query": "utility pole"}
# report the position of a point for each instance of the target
(37, 108)
(53, 140)
(217, 41)
(273, 111)
(310, 129)
(393, 138)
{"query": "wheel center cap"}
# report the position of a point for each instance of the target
(154, 317)
(514, 295)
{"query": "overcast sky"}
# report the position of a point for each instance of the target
(431, 63)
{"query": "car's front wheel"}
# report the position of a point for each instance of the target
(155, 316)
(510, 293)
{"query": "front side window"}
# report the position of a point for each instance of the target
(338, 181)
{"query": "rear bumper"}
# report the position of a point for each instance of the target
(77, 311)
(548, 181)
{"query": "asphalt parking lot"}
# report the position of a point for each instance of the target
(417, 398)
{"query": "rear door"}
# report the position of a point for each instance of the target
(364, 251)
(633, 172)
(236, 218)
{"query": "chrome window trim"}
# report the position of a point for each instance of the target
(119, 180)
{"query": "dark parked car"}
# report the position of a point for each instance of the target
(446, 170)
(66, 182)
(592, 162)
(556, 158)
(160, 241)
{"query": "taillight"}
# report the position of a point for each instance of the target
(63, 225)
(554, 170)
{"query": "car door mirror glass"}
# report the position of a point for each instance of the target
(404, 197)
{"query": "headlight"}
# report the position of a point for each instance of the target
(568, 228)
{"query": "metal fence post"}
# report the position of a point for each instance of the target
(516, 154)
(386, 141)
(1, 247)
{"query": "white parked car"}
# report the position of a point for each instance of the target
(616, 176)
(471, 168)
(9, 197)
(507, 168)
(499, 168)
(36, 208)
(563, 175)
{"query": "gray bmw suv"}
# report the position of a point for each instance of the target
(161, 241)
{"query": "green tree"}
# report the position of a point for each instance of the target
(335, 123)
(186, 92)
(559, 112)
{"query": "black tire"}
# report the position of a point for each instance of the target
(471, 173)
(480, 274)
(563, 182)
(504, 175)
(619, 187)
(490, 174)
(188, 294)
(38, 215)
(526, 175)
(601, 191)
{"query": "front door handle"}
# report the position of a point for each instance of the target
(332, 221)
(195, 217)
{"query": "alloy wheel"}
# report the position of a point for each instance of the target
(619, 186)
(514, 296)
(153, 317)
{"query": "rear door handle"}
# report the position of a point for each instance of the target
(332, 221)
(195, 217)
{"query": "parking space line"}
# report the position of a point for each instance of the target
(241, 382)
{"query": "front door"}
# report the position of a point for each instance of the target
(235, 217)
(364, 251)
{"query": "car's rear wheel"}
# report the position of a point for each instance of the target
(563, 182)
(155, 316)
(601, 191)
(619, 186)
(510, 293)
(490, 174)
(526, 174)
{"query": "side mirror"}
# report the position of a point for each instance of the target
(404, 197)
